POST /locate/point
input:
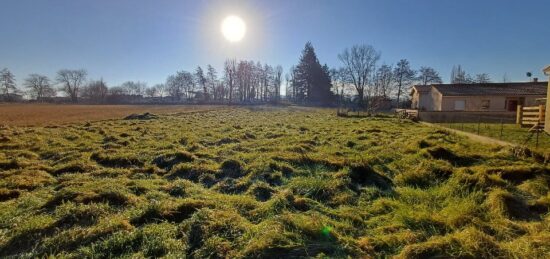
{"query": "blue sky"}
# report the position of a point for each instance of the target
(148, 40)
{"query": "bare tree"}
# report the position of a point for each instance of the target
(134, 88)
(459, 76)
(71, 81)
(404, 75)
(151, 92)
(230, 69)
(200, 79)
(212, 80)
(359, 65)
(7, 83)
(482, 78)
(180, 85)
(97, 91)
(160, 89)
(277, 81)
(39, 86)
(428, 75)
(291, 83)
(384, 81)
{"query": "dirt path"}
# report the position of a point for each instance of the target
(478, 138)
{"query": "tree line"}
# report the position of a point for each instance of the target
(359, 77)
(241, 81)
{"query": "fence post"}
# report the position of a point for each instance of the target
(519, 115)
(537, 143)
(501, 128)
(478, 124)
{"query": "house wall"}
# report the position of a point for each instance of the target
(426, 103)
(436, 100)
(415, 99)
(422, 100)
(474, 103)
(547, 120)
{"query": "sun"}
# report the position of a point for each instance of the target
(233, 28)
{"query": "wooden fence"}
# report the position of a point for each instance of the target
(407, 113)
(530, 116)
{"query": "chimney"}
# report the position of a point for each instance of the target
(536, 79)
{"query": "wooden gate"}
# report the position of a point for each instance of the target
(530, 116)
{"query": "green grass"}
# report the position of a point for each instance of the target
(267, 182)
(507, 132)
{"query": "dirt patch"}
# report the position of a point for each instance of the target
(144, 116)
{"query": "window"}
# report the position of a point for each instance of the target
(485, 104)
(460, 105)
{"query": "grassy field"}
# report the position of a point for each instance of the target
(51, 114)
(507, 132)
(267, 182)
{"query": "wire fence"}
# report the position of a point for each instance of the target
(498, 127)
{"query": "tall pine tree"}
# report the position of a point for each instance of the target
(312, 82)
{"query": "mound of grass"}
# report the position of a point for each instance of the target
(505, 204)
(144, 116)
(111, 160)
(168, 161)
(449, 156)
(363, 174)
(517, 175)
(73, 167)
(174, 212)
(425, 175)
(469, 243)
(232, 168)
(6, 194)
(27, 180)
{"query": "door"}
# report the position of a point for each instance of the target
(512, 105)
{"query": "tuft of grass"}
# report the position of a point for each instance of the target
(116, 160)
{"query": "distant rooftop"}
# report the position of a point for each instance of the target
(508, 89)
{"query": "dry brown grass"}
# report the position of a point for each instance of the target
(54, 114)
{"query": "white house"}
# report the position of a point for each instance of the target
(494, 97)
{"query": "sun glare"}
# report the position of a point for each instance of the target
(233, 28)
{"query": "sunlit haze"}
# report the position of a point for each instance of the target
(233, 28)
